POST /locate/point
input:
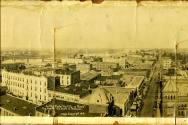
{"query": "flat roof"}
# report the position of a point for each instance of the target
(136, 82)
(23, 72)
(57, 70)
(116, 77)
(18, 106)
(30, 71)
(81, 89)
(105, 63)
(127, 78)
(89, 75)
(65, 108)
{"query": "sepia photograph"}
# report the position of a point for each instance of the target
(94, 62)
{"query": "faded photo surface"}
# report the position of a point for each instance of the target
(124, 60)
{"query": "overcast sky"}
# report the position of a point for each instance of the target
(93, 26)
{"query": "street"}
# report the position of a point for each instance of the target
(147, 110)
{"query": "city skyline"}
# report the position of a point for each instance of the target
(120, 61)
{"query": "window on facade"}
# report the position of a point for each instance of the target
(182, 113)
(179, 113)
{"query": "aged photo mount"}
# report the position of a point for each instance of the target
(94, 62)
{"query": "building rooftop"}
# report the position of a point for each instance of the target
(145, 65)
(115, 77)
(172, 86)
(105, 63)
(65, 108)
(81, 89)
(136, 82)
(120, 94)
(56, 70)
(18, 106)
(137, 72)
(32, 71)
(127, 78)
(89, 75)
(102, 95)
